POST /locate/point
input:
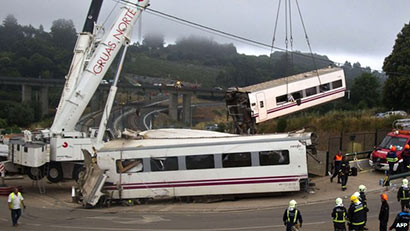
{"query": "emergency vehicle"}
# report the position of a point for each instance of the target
(399, 137)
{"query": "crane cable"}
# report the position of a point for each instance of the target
(212, 30)
(308, 42)
(274, 32)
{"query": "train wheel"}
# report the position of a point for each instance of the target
(55, 172)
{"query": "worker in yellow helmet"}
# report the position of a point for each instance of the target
(356, 213)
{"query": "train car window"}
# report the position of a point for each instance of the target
(280, 157)
(324, 87)
(25, 149)
(311, 91)
(337, 84)
(261, 104)
(232, 160)
(129, 166)
(164, 164)
(281, 99)
(297, 95)
(18, 147)
(200, 162)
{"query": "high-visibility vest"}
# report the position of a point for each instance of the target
(338, 157)
(405, 194)
(337, 218)
(12, 198)
(357, 209)
(294, 218)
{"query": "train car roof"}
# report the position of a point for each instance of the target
(166, 138)
(289, 79)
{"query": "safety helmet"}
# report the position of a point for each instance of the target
(339, 201)
(406, 146)
(393, 148)
(292, 204)
(405, 182)
(362, 188)
(354, 198)
(383, 196)
(357, 194)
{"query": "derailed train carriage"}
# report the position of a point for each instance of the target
(254, 104)
(183, 162)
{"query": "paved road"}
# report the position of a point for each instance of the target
(316, 217)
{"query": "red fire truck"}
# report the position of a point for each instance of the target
(399, 137)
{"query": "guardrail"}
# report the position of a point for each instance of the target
(356, 155)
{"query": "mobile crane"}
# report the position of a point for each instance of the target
(57, 152)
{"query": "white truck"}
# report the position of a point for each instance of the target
(57, 152)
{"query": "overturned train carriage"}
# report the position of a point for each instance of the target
(250, 105)
(181, 162)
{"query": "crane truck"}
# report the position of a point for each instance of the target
(56, 152)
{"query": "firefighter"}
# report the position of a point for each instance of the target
(339, 215)
(356, 214)
(344, 172)
(403, 194)
(384, 213)
(391, 158)
(405, 155)
(292, 218)
(362, 198)
(337, 160)
(401, 223)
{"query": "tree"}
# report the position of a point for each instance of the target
(153, 41)
(63, 34)
(365, 91)
(397, 67)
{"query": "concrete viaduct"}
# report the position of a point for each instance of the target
(28, 85)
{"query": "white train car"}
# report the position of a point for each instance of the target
(197, 163)
(279, 97)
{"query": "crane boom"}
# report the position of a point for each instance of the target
(74, 105)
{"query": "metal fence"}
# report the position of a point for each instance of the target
(360, 143)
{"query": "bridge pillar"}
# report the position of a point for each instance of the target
(173, 106)
(26, 93)
(44, 100)
(186, 108)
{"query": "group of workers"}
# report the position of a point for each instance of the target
(356, 215)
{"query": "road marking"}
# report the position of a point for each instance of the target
(215, 229)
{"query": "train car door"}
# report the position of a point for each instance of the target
(260, 99)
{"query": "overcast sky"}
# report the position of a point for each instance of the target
(353, 30)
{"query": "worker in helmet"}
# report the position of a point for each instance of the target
(356, 214)
(362, 198)
(339, 215)
(344, 172)
(401, 223)
(384, 213)
(337, 161)
(405, 155)
(403, 194)
(292, 218)
(391, 158)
